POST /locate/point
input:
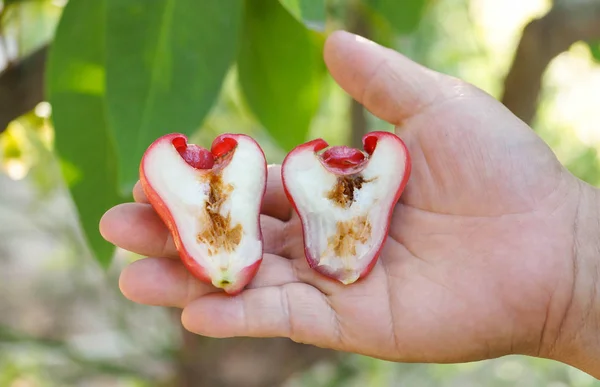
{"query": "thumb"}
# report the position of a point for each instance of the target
(388, 84)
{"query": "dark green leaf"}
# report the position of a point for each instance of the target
(280, 71)
(8, 3)
(403, 15)
(76, 91)
(586, 165)
(309, 12)
(595, 50)
(166, 60)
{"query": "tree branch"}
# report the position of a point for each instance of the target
(22, 86)
(544, 39)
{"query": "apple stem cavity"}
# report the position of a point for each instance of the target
(344, 198)
(210, 201)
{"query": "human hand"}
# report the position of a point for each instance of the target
(480, 259)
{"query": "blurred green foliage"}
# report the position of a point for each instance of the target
(309, 12)
(402, 16)
(280, 78)
(510, 371)
(165, 63)
(76, 88)
(595, 50)
(121, 74)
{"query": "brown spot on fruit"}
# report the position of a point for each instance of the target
(217, 230)
(348, 234)
(343, 192)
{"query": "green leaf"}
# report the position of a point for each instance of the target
(309, 12)
(8, 3)
(280, 71)
(166, 60)
(75, 84)
(402, 15)
(595, 50)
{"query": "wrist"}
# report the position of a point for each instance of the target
(578, 339)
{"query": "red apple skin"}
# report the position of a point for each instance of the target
(369, 143)
(163, 212)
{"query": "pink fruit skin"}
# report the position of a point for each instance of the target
(369, 143)
(163, 212)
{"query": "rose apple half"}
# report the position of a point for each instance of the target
(210, 201)
(345, 198)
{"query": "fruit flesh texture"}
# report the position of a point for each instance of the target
(210, 201)
(344, 199)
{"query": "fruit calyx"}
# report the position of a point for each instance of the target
(338, 159)
(344, 198)
(210, 201)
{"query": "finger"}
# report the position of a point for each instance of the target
(272, 230)
(161, 282)
(387, 83)
(275, 203)
(293, 247)
(138, 193)
(166, 282)
(296, 310)
(137, 227)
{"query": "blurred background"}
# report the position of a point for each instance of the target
(86, 85)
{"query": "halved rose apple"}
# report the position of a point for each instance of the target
(345, 198)
(210, 201)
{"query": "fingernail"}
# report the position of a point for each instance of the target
(363, 40)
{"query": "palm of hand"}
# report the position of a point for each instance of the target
(455, 279)
(474, 263)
